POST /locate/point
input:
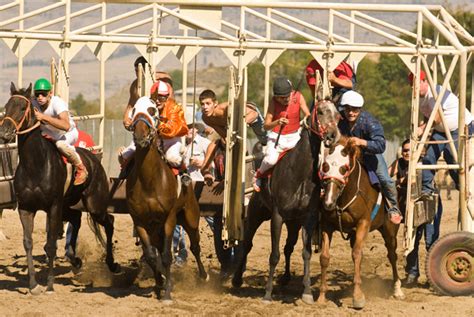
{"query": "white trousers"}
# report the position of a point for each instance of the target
(172, 148)
(286, 142)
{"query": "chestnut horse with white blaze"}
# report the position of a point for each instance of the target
(352, 205)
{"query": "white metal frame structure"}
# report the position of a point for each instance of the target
(335, 39)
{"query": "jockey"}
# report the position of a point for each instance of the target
(342, 79)
(283, 119)
(172, 123)
(58, 125)
(367, 133)
(170, 130)
(134, 94)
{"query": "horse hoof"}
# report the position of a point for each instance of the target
(399, 296)
(37, 290)
(358, 304)
(76, 262)
(206, 278)
(267, 298)
(266, 301)
(167, 302)
(114, 268)
(237, 282)
(307, 299)
(284, 280)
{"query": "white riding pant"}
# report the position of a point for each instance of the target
(286, 142)
(174, 151)
(172, 148)
(66, 147)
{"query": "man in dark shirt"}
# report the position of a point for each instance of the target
(367, 132)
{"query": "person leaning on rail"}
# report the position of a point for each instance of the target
(450, 108)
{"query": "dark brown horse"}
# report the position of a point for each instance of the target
(292, 196)
(155, 204)
(40, 180)
(352, 205)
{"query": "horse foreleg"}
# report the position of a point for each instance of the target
(291, 239)
(389, 234)
(166, 258)
(27, 221)
(307, 244)
(256, 216)
(358, 299)
(324, 262)
(276, 225)
(54, 223)
(152, 256)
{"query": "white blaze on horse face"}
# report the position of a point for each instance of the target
(335, 164)
(145, 106)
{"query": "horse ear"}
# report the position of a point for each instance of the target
(28, 90)
(12, 89)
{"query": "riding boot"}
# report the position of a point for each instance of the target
(390, 193)
(81, 174)
(70, 153)
(257, 181)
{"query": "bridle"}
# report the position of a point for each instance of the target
(27, 116)
(148, 122)
(320, 130)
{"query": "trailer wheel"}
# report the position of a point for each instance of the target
(450, 264)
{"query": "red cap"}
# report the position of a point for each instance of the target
(422, 76)
(162, 87)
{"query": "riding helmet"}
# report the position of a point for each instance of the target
(42, 84)
(282, 87)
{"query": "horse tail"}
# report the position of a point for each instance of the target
(94, 225)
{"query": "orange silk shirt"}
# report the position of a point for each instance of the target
(172, 122)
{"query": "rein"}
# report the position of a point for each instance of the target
(26, 116)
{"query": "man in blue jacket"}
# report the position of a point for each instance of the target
(367, 133)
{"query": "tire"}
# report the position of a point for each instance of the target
(450, 264)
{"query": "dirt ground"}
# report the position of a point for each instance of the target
(95, 291)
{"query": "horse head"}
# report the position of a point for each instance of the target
(338, 163)
(19, 115)
(145, 121)
(324, 120)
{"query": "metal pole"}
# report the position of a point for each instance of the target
(463, 216)
(184, 68)
(20, 53)
(102, 83)
(266, 92)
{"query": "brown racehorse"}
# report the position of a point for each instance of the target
(352, 205)
(155, 204)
